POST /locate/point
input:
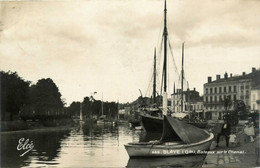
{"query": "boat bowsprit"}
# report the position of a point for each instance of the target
(178, 138)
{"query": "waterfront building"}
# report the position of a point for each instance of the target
(255, 99)
(192, 101)
(230, 87)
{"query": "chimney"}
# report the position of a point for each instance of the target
(225, 75)
(231, 75)
(253, 70)
(194, 89)
(244, 73)
(209, 79)
(217, 77)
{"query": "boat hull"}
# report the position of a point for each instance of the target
(163, 150)
(152, 124)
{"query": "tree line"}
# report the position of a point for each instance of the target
(21, 99)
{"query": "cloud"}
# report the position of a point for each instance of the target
(108, 46)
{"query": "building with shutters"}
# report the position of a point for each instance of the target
(228, 87)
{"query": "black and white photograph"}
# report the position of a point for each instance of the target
(129, 83)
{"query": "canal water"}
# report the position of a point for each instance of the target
(103, 147)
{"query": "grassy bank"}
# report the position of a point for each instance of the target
(23, 125)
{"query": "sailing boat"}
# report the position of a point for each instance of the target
(102, 119)
(151, 119)
(178, 137)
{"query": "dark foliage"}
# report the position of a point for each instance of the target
(14, 94)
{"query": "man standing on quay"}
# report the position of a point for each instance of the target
(225, 131)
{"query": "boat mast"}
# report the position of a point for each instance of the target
(154, 77)
(182, 72)
(102, 105)
(165, 34)
(188, 97)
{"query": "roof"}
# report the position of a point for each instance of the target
(237, 78)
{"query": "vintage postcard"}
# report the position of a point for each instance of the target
(129, 83)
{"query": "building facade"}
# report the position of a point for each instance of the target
(255, 99)
(230, 87)
(191, 101)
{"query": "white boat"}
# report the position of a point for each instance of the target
(103, 121)
(178, 138)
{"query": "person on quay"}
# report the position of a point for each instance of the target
(225, 131)
(249, 130)
(232, 138)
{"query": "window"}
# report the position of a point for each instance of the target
(229, 88)
(220, 98)
(241, 87)
(241, 97)
(206, 90)
(211, 90)
(225, 89)
(229, 97)
(235, 97)
(210, 99)
(247, 86)
(220, 89)
(206, 98)
(235, 88)
(215, 89)
(215, 98)
(225, 97)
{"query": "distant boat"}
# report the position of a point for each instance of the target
(102, 120)
(178, 138)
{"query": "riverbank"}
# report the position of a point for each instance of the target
(42, 129)
(19, 125)
(235, 157)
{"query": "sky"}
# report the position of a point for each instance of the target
(107, 46)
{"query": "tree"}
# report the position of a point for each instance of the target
(14, 93)
(74, 108)
(46, 98)
(86, 107)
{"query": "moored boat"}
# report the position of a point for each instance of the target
(178, 138)
(104, 121)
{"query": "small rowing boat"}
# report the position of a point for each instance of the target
(178, 138)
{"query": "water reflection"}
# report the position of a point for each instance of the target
(42, 140)
(98, 146)
(180, 161)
